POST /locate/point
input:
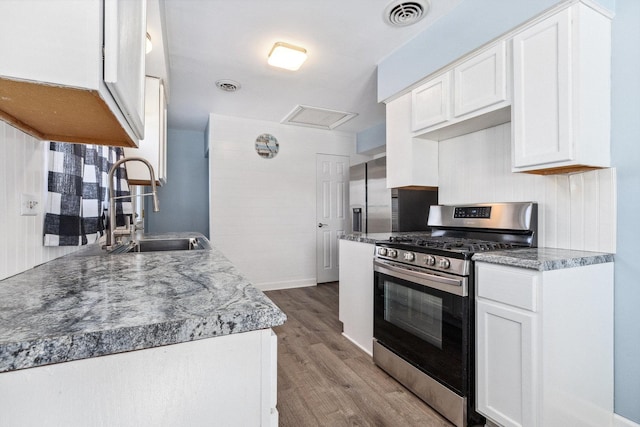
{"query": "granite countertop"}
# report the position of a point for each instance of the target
(377, 237)
(90, 304)
(544, 259)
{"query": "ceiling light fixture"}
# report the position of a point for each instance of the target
(149, 45)
(287, 56)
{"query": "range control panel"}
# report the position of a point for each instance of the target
(472, 212)
(418, 259)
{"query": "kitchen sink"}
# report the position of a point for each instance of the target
(157, 245)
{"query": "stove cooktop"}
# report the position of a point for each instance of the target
(451, 244)
(457, 232)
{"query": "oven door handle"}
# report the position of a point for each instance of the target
(445, 284)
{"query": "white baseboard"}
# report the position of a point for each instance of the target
(619, 421)
(358, 345)
(273, 286)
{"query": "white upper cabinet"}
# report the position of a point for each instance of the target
(561, 99)
(125, 27)
(410, 161)
(481, 81)
(431, 103)
(52, 72)
(472, 95)
(154, 145)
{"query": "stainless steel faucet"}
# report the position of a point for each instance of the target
(111, 235)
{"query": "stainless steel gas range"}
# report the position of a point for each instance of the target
(424, 291)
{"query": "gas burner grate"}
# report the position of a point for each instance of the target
(454, 244)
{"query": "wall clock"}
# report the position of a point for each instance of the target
(267, 146)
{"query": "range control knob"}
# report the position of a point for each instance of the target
(382, 251)
(444, 263)
(392, 253)
(409, 256)
(430, 260)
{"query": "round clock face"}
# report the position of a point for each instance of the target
(267, 146)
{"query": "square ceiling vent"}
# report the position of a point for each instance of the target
(320, 118)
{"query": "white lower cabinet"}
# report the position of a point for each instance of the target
(224, 381)
(356, 292)
(544, 345)
(506, 344)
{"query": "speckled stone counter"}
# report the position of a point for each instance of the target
(92, 304)
(377, 237)
(544, 259)
(366, 238)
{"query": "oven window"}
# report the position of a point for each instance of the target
(416, 312)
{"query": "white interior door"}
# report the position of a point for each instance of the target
(332, 194)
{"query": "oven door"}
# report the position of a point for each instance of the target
(423, 318)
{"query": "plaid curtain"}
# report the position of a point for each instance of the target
(78, 193)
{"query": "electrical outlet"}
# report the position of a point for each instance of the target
(28, 205)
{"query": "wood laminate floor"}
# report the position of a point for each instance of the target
(325, 380)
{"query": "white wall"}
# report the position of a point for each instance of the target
(22, 170)
(263, 211)
(576, 211)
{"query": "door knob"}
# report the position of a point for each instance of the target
(320, 225)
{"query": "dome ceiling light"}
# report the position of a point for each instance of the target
(287, 56)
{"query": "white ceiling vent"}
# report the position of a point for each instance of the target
(401, 13)
(228, 85)
(315, 117)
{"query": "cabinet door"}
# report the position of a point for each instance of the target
(541, 93)
(125, 23)
(431, 103)
(153, 146)
(162, 167)
(480, 81)
(506, 359)
(410, 161)
(398, 136)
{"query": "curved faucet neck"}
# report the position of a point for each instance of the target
(112, 197)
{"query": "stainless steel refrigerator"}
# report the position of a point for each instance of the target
(378, 209)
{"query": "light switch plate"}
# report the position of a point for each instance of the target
(28, 205)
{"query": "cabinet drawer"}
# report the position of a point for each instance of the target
(513, 286)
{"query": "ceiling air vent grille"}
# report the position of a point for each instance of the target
(228, 85)
(315, 117)
(401, 13)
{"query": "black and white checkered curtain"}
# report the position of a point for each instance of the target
(78, 191)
